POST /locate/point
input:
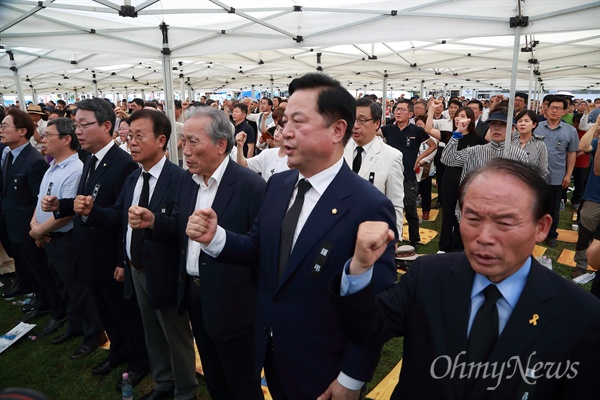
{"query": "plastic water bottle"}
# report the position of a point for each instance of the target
(126, 389)
(562, 205)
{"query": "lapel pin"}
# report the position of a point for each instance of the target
(533, 320)
(104, 165)
(334, 211)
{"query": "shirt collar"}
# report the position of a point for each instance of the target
(102, 152)
(366, 147)
(321, 181)
(65, 162)
(216, 177)
(510, 287)
(17, 150)
(157, 168)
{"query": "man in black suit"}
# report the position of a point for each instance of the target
(489, 323)
(304, 234)
(23, 170)
(97, 249)
(151, 266)
(220, 299)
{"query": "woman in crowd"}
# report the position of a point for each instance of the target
(428, 168)
(524, 138)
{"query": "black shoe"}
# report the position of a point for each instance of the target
(83, 351)
(105, 367)
(65, 337)
(14, 292)
(34, 314)
(551, 242)
(28, 308)
(134, 377)
(52, 327)
(157, 395)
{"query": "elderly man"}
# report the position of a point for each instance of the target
(303, 236)
(374, 160)
(487, 323)
(220, 299)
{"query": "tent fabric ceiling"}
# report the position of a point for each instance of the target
(59, 45)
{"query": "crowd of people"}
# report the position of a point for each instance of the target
(267, 240)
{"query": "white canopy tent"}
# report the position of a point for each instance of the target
(62, 46)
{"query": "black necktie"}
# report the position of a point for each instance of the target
(357, 159)
(136, 234)
(288, 226)
(92, 168)
(7, 164)
(484, 331)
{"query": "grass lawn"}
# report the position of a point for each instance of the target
(47, 368)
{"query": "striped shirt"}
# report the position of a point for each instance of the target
(476, 157)
(536, 151)
(472, 158)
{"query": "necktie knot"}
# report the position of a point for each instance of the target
(146, 176)
(491, 293)
(303, 186)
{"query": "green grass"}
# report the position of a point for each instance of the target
(47, 368)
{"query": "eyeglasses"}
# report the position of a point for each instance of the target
(84, 126)
(363, 121)
(555, 108)
(47, 135)
(402, 109)
(6, 126)
(138, 138)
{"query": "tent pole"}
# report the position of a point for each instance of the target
(530, 97)
(252, 94)
(169, 106)
(384, 97)
(182, 84)
(126, 94)
(33, 99)
(519, 21)
(13, 68)
(422, 89)
(271, 89)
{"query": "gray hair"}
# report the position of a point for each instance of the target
(219, 127)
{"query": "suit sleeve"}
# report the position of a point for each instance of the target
(109, 218)
(394, 190)
(35, 175)
(359, 362)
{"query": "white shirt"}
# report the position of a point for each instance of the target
(137, 192)
(205, 199)
(268, 163)
(102, 152)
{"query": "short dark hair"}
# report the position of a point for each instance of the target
(178, 105)
(61, 102)
(558, 99)
(160, 123)
(66, 127)
(528, 174)
(138, 101)
(409, 104)
(522, 95)
(333, 101)
(375, 107)
(58, 112)
(242, 107)
(475, 101)
(268, 101)
(531, 114)
(151, 104)
(22, 120)
(455, 102)
(103, 112)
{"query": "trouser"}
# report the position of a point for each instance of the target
(555, 197)
(170, 343)
(580, 176)
(229, 366)
(80, 307)
(410, 209)
(425, 192)
(589, 220)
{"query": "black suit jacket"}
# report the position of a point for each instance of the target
(160, 259)
(310, 348)
(21, 186)
(97, 249)
(430, 308)
(229, 300)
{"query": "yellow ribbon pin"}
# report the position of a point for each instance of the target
(334, 211)
(533, 320)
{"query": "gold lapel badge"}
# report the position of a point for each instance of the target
(533, 320)
(334, 211)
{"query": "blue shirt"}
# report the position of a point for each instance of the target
(592, 188)
(510, 288)
(559, 141)
(15, 153)
(65, 179)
